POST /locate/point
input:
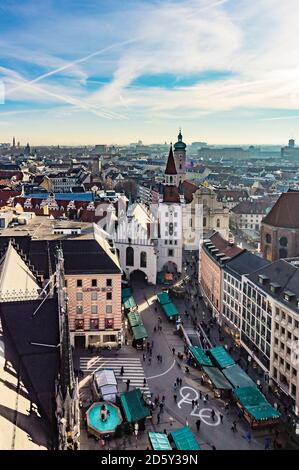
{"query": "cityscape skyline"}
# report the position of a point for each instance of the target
(90, 72)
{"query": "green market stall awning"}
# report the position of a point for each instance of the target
(237, 377)
(139, 332)
(220, 357)
(134, 406)
(129, 303)
(170, 310)
(200, 356)
(125, 293)
(255, 403)
(163, 298)
(217, 378)
(159, 441)
(184, 439)
(134, 319)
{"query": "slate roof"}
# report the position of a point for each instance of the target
(245, 263)
(171, 194)
(37, 366)
(81, 256)
(283, 273)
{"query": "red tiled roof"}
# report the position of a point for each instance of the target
(189, 188)
(285, 212)
(171, 194)
(170, 166)
(225, 246)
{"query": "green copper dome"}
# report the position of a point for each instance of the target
(180, 145)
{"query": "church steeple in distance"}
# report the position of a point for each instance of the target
(180, 157)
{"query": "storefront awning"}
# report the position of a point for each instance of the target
(217, 378)
(254, 402)
(170, 310)
(134, 319)
(129, 303)
(134, 406)
(200, 356)
(184, 439)
(163, 298)
(139, 332)
(125, 293)
(220, 357)
(237, 377)
(159, 441)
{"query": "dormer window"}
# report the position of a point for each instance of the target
(288, 295)
(263, 279)
(274, 287)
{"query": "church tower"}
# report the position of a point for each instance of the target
(171, 176)
(180, 158)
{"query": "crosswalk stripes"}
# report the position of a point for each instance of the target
(133, 369)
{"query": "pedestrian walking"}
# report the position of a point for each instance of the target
(180, 381)
(173, 351)
(128, 384)
(163, 399)
(213, 415)
(175, 397)
(174, 386)
(122, 371)
(144, 357)
(161, 358)
(158, 418)
(144, 382)
(158, 357)
(207, 397)
(204, 400)
(234, 426)
(161, 407)
(200, 394)
(198, 423)
(149, 361)
(193, 403)
(155, 329)
(150, 351)
(221, 418)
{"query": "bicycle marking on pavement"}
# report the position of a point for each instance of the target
(188, 395)
(185, 398)
(205, 415)
(163, 373)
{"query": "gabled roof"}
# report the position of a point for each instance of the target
(285, 212)
(16, 279)
(170, 166)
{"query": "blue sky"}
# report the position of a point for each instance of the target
(93, 71)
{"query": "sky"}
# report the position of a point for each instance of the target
(77, 72)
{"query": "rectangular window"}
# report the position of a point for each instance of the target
(79, 309)
(94, 296)
(109, 296)
(79, 296)
(79, 282)
(94, 283)
(170, 252)
(108, 308)
(94, 309)
(109, 282)
(94, 324)
(79, 324)
(108, 323)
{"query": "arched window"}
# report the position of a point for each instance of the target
(204, 221)
(129, 256)
(283, 241)
(143, 259)
(170, 179)
(218, 223)
(268, 238)
(283, 253)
